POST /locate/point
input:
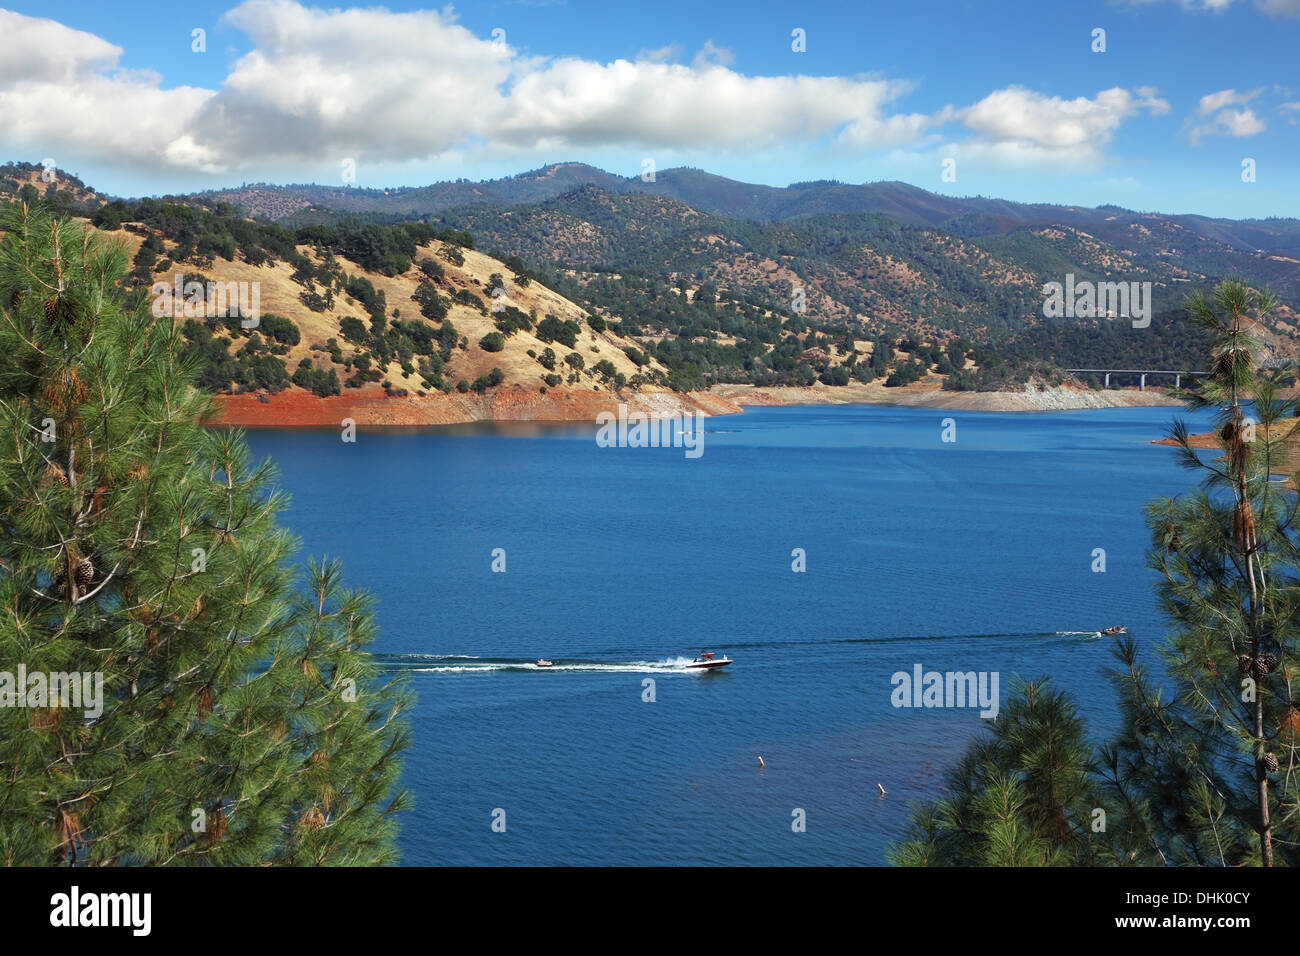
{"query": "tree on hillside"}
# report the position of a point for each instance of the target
(240, 719)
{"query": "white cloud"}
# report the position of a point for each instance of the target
(1217, 101)
(1279, 8)
(670, 52)
(60, 92)
(712, 55)
(1271, 8)
(1025, 124)
(319, 86)
(1226, 120)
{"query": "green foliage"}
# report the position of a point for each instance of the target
(1021, 795)
(905, 374)
(371, 299)
(432, 306)
(384, 249)
(354, 330)
(492, 342)
(317, 381)
(223, 695)
(551, 329)
(510, 320)
(278, 328)
(465, 297)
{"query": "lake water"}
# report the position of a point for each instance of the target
(623, 563)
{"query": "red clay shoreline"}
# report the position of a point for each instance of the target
(373, 407)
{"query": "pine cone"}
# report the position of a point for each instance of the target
(59, 309)
(1244, 662)
(1266, 663)
(85, 572)
(1270, 762)
(53, 473)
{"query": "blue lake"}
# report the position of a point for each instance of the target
(623, 563)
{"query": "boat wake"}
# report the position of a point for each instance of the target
(464, 664)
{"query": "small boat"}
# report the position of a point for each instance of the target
(1112, 631)
(543, 662)
(708, 661)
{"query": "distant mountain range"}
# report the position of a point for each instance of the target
(751, 202)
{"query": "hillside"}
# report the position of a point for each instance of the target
(706, 269)
(613, 286)
(976, 298)
(405, 326)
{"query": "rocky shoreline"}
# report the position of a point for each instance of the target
(929, 395)
(372, 406)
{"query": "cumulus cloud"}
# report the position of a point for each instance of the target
(1025, 125)
(60, 89)
(319, 86)
(1225, 119)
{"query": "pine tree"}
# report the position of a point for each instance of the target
(243, 721)
(1021, 795)
(1207, 775)
(1214, 767)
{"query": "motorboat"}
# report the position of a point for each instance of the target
(1112, 631)
(543, 662)
(708, 660)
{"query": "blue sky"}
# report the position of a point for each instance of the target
(1011, 93)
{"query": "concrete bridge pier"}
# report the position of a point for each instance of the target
(1142, 386)
(1178, 380)
(1108, 379)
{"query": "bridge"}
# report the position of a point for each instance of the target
(1142, 372)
